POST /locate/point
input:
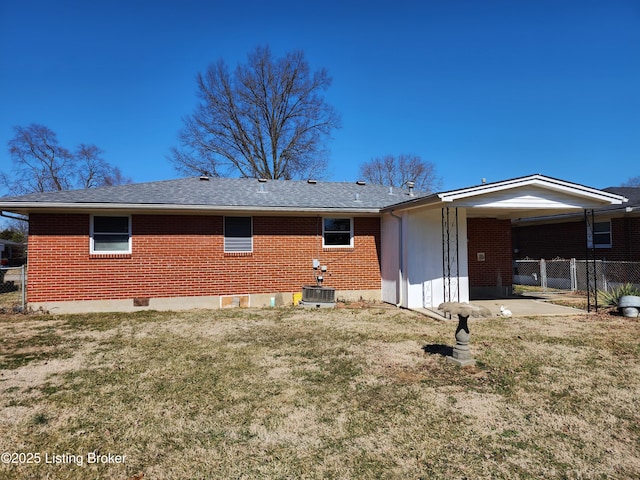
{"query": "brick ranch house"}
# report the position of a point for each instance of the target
(197, 242)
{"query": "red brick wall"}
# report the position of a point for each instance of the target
(493, 238)
(568, 240)
(176, 256)
(632, 238)
(563, 240)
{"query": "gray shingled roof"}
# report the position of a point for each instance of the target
(225, 192)
(632, 193)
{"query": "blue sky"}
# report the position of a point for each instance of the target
(483, 89)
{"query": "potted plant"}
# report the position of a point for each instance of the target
(626, 298)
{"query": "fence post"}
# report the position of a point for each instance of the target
(603, 271)
(573, 272)
(543, 274)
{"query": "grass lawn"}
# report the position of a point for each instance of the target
(339, 394)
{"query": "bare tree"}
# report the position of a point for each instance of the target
(95, 171)
(266, 119)
(397, 171)
(632, 182)
(40, 164)
(115, 177)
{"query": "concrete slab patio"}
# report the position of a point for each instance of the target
(528, 307)
(519, 306)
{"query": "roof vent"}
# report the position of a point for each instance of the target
(411, 185)
(361, 182)
(204, 178)
(312, 181)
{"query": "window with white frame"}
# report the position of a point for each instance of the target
(238, 235)
(110, 234)
(337, 232)
(600, 235)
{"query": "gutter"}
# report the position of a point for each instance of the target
(31, 207)
(13, 217)
(434, 199)
(400, 259)
(577, 216)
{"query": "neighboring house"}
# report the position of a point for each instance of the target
(196, 242)
(12, 253)
(614, 232)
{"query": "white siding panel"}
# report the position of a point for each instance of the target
(390, 259)
(525, 197)
(425, 282)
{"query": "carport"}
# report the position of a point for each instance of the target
(456, 245)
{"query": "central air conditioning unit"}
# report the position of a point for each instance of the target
(315, 296)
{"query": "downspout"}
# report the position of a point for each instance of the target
(400, 259)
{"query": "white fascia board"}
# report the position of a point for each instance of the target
(433, 200)
(535, 180)
(466, 197)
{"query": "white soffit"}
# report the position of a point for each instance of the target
(529, 197)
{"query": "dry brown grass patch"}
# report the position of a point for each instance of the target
(347, 393)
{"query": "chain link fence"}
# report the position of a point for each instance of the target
(571, 274)
(13, 288)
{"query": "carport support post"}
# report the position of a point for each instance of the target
(461, 352)
(590, 261)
